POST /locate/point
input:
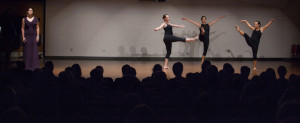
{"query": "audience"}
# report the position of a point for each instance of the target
(211, 95)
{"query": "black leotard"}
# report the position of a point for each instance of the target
(204, 38)
(169, 38)
(253, 42)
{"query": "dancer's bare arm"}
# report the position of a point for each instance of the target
(213, 22)
(178, 26)
(267, 25)
(160, 27)
(194, 22)
(248, 24)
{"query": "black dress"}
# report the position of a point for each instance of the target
(30, 50)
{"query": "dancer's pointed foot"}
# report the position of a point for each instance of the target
(166, 67)
(254, 68)
(190, 40)
(194, 39)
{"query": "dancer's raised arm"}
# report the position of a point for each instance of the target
(248, 24)
(178, 26)
(160, 27)
(267, 25)
(194, 22)
(213, 22)
(169, 38)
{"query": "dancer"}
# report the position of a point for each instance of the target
(169, 38)
(204, 32)
(30, 33)
(253, 42)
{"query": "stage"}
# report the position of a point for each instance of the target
(112, 68)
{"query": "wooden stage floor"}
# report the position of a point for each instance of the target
(112, 68)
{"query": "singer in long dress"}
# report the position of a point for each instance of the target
(30, 33)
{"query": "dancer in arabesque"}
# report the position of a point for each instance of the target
(169, 38)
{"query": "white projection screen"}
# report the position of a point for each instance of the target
(125, 28)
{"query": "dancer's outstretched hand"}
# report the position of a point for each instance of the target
(272, 20)
(202, 29)
(243, 21)
(237, 28)
(184, 18)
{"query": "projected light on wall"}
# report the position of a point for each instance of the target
(119, 28)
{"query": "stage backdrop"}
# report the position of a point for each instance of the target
(125, 28)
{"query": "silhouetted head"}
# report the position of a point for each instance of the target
(177, 69)
(49, 66)
(37, 72)
(69, 73)
(96, 74)
(125, 69)
(228, 68)
(62, 77)
(205, 64)
(159, 76)
(156, 68)
(132, 71)
(271, 74)
(100, 68)
(245, 71)
(212, 71)
(281, 71)
(76, 70)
